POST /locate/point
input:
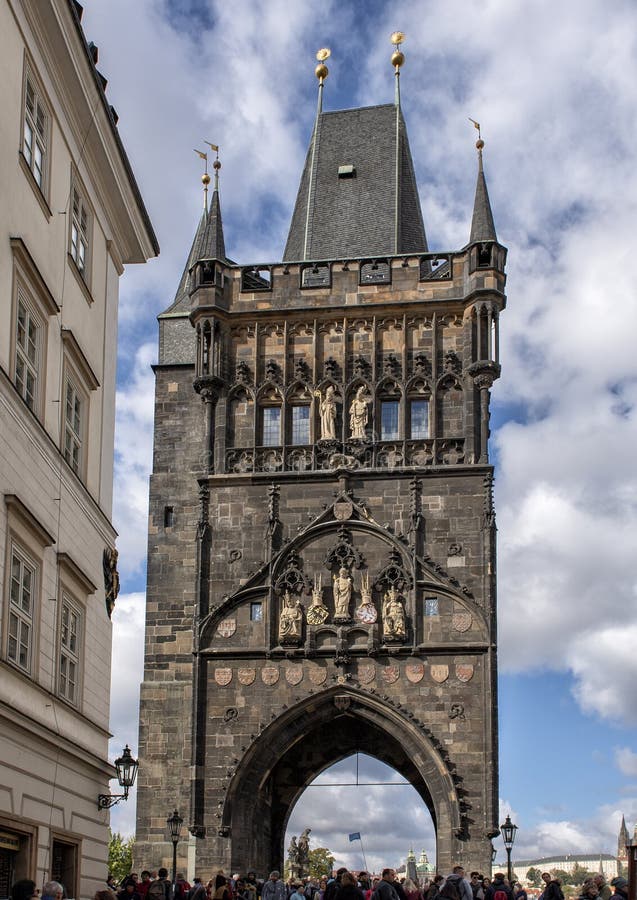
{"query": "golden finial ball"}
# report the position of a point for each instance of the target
(205, 179)
(397, 37)
(479, 144)
(216, 165)
(321, 71)
(397, 59)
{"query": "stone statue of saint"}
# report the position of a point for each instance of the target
(291, 619)
(394, 624)
(327, 410)
(342, 584)
(304, 852)
(293, 851)
(359, 413)
(318, 612)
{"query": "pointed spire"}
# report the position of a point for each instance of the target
(482, 225)
(208, 242)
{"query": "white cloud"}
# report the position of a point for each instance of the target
(626, 760)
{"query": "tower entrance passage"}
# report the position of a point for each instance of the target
(311, 736)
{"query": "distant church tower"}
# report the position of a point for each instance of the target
(622, 841)
(322, 563)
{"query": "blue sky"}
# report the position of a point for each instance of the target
(554, 87)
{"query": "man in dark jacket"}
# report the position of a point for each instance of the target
(500, 885)
(385, 889)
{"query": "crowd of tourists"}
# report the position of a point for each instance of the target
(344, 885)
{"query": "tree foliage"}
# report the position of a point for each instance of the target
(321, 862)
(120, 855)
(534, 876)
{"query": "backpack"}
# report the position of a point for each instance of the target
(156, 890)
(500, 895)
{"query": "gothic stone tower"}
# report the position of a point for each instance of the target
(321, 572)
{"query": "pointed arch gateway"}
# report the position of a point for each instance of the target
(314, 734)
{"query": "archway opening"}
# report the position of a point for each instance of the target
(361, 795)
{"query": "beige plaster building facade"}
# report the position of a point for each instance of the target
(71, 216)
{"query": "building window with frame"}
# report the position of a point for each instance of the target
(300, 424)
(419, 419)
(271, 426)
(21, 601)
(256, 612)
(28, 351)
(69, 653)
(35, 132)
(389, 411)
(79, 238)
(431, 606)
(74, 416)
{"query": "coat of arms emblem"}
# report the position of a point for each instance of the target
(366, 673)
(390, 674)
(415, 672)
(227, 627)
(246, 676)
(223, 676)
(464, 672)
(294, 674)
(270, 675)
(461, 621)
(439, 673)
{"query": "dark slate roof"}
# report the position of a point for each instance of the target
(208, 243)
(356, 216)
(482, 225)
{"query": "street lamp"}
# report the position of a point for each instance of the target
(174, 824)
(126, 768)
(508, 831)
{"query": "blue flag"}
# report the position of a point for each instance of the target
(356, 836)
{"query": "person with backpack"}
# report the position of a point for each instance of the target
(197, 891)
(161, 888)
(462, 885)
(500, 890)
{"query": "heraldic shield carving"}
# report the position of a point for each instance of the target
(439, 673)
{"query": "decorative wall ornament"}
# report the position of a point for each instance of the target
(455, 549)
(330, 367)
(342, 703)
(227, 627)
(343, 553)
(394, 622)
(394, 574)
(301, 370)
(452, 362)
(456, 711)
(317, 612)
(464, 672)
(242, 372)
(461, 621)
(269, 675)
(299, 460)
(366, 611)
(290, 620)
(292, 579)
(246, 676)
(415, 672)
(439, 673)
(235, 555)
(361, 367)
(272, 371)
(223, 676)
(366, 672)
(111, 578)
(422, 366)
(294, 674)
(318, 675)
(390, 674)
(342, 461)
(230, 714)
